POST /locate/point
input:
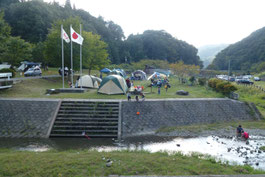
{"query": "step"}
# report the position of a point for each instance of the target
(88, 111)
(89, 135)
(80, 126)
(88, 108)
(90, 104)
(87, 130)
(88, 115)
(84, 123)
(85, 119)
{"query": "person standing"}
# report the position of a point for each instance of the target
(239, 131)
(158, 90)
(129, 96)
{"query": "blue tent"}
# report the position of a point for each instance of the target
(105, 70)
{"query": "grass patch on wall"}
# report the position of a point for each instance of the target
(216, 126)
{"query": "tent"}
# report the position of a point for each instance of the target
(139, 75)
(113, 84)
(105, 70)
(120, 72)
(89, 81)
(157, 75)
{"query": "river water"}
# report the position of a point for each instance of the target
(225, 149)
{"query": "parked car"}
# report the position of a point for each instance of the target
(245, 81)
(33, 72)
(256, 79)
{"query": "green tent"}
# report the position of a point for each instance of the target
(113, 84)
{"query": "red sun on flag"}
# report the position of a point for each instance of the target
(75, 36)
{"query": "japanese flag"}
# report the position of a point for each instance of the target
(64, 36)
(75, 37)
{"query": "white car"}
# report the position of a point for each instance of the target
(256, 79)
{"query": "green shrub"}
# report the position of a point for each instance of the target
(213, 82)
(228, 88)
(8, 70)
(221, 86)
(202, 81)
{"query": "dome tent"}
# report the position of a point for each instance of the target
(88, 81)
(139, 75)
(113, 84)
(105, 70)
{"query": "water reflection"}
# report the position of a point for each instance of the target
(225, 149)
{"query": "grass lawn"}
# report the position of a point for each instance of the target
(251, 94)
(93, 163)
(36, 88)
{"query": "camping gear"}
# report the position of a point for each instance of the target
(105, 70)
(89, 81)
(113, 84)
(139, 75)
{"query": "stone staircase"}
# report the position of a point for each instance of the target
(95, 119)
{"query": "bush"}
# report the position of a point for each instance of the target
(228, 88)
(221, 86)
(8, 70)
(213, 82)
(202, 81)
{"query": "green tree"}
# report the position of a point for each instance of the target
(94, 52)
(4, 35)
(17, 50)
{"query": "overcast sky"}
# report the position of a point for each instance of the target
(198, 22)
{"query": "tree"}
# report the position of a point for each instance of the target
(94, 53)
(17, 50)
(4, 35)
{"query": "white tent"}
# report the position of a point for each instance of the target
(89, 81)
(113, 84)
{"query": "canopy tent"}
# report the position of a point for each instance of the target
(157, 75)
(113, 84)
(139, 75)
(105, 70)
(89, 81)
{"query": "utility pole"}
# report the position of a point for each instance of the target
(229, 68)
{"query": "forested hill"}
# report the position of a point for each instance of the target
(161, 45)
(31, 20)
(247, 54)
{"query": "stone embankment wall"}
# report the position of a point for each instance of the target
(35, 117)
(154, 114)
(27, 117)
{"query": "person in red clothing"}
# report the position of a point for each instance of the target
(245, 135)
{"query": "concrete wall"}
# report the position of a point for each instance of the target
(155, 114)
(34, 117)
(26, 117)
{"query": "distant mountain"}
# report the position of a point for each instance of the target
(246, 54)
(208, 52)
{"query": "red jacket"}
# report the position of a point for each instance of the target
(245, 135)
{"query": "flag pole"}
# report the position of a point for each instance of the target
(62, 54)
(72, 77)
(81, 57)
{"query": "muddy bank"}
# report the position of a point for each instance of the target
(228, 132)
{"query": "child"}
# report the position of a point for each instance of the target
(137, 98)
(129, 96)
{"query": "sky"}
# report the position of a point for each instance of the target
(198, 22)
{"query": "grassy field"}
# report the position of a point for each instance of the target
(258, 124)
(36, 88)
(93, 163)
(251, 94)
